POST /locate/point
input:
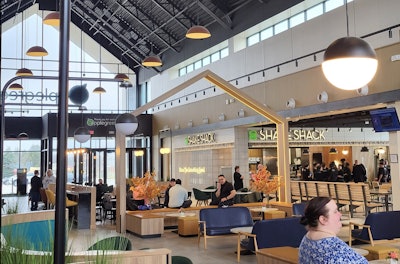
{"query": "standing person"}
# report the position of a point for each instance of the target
(48, 179)
(382, 172)
(320, 244)
(332, 172)
(166, 196)
(347, 172)
(238, 178)
(359, 172)
(306, 173)
(178, 196)
(36, 184)
(225, 192)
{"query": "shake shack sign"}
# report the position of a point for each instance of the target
(294, 135)
(200, 139)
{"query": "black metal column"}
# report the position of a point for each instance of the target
(62, 132)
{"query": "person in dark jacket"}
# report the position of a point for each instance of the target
(36, 184)
(238, 178)
(359, 172)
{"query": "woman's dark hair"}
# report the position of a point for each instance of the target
(314, 209)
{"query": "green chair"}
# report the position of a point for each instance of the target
(112, 243)
(201, 197)
(181, 260)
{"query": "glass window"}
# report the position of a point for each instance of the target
(332, 4)
(281, 26)
(189, 68)
(206, 60)
(224, 53)
(267, 33)
(253, 39)
(182, 71)
(315, 11)
(297, 19)
(197, 65)
(215, 56)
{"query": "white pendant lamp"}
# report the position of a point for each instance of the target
(82, 134)
(126, 124)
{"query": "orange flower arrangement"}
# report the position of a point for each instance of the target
(262, 182)
(146, 187)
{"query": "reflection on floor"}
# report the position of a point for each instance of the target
(220, 250)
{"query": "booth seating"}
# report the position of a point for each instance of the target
(377, 226)
(273, 233)
(215, 222)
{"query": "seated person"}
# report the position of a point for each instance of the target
(178, 196)
(101, 188)
(131, 205)
(225, 192)
(166, 196)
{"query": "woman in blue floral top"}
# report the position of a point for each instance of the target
(320, 244)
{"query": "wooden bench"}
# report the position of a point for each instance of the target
(349, 194)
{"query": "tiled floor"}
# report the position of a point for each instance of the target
(220, 250)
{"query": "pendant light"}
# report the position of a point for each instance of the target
(350, 62)
(364, 149)
(152, 60)
(37, 51)
(332, 151)
(126, 124)
(15, 87)
(52, 19)
(23, 71)
(197, 31)
(82, 134)
(121, 76)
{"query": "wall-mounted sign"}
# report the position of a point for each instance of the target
(197, 170)
(294, 135)
(200, 139)
(100, 121)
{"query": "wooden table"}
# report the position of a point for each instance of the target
(278, 255)
(262, 210)
(382, 192)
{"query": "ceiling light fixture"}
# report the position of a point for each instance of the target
(15, 87)
(197, 31)
(37, 51)
(152, 61)
(350, 62)
(122, 77)
(52, 19)
(126, 124)
(345, 151)
(364, 149)
(82, 134)
(332, 151)
(99, 90)
(24, 72)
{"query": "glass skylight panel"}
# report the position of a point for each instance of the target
(189, 68)
(182, 71)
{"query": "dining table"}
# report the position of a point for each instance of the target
(382, 193)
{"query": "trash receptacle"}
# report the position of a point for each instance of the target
(21, 181)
